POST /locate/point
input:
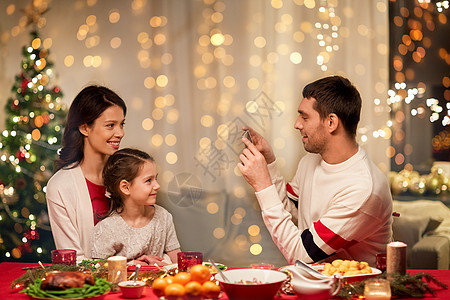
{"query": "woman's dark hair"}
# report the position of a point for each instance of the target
(87, 106)
(336, 94)
(124, 164)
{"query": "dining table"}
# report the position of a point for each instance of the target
(10, 271)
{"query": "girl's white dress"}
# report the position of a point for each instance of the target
(113, 236)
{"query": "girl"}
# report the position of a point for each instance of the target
(75, 193)
(135, 226)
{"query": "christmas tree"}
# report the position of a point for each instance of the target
(35, 115)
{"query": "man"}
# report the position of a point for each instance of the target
(338, 205)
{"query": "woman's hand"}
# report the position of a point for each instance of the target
(150, 260)
(261, 144)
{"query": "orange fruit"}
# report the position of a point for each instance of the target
(182, 278)
(200, 273)
(193, 288)
(158, 286)
(174, 289)
(210, 290)
(169, 279)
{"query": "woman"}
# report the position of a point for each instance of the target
(75, 193)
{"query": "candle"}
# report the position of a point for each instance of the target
(377, 289)
(396, 258)
(117, 269)
(64, 256)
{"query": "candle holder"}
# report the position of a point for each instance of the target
(187, 259)
(117, 269)
(263, 266)
(64, 256)
(377, 289)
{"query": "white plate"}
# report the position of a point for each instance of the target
(375, 272)
(170, 267)
(349, 278)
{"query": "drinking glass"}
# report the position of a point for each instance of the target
(381, 261)
(187, 259)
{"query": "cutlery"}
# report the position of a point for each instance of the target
(306, 267)
(138, 266)
(219, 271)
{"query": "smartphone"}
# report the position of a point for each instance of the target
(247, 135)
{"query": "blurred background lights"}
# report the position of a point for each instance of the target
(217, 39)
(256, 249)
(147, 124)
(212, 208)
(171, 158)
(219, 233)
(114, 16)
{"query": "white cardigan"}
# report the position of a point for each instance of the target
(70, 211)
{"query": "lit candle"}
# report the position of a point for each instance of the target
(377, 289)
(396, 258)
(117, 269)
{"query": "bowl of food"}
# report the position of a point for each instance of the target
(251, 283)
(132, 289)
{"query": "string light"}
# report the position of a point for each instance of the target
(327, 34)
(441, 5)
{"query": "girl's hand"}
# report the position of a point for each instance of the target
(261, 144)
(150, 260)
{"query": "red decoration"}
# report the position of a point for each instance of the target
(24, 84)
(31, 234)
(21, 183)
(20, 155)
(25, 248)
(56, 89)
(15, 104)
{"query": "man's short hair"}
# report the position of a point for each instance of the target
(336, 94)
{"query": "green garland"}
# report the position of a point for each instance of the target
(402, 286)
(96, 267)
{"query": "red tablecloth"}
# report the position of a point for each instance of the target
(12, 271)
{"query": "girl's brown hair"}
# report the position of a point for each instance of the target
(124, 164)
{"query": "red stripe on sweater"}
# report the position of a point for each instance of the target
(330, 238)
(290, 190)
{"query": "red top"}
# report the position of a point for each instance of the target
(100, 203)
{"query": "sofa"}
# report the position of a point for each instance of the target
(424, 225)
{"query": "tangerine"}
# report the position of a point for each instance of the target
(193, 288)
(158, 286)
(174, 289)
(210, 290)
(182, 278)
(169, 279)
(200, 273)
